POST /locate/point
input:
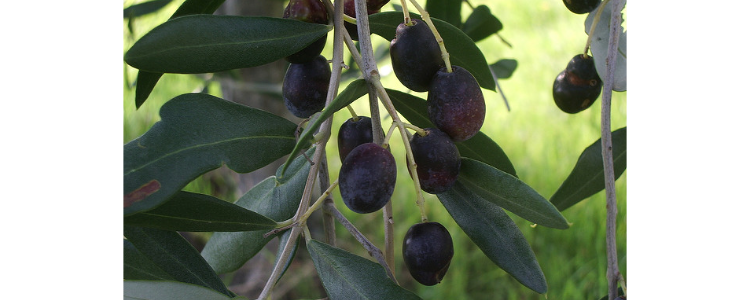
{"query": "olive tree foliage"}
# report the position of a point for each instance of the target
(199, 133)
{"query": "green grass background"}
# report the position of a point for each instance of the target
(542, 142)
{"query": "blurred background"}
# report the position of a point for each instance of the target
(542, 142)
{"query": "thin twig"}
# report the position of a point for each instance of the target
(371, 249)
(378, 137)
(390, 247)
(370, 72)
(329, 224)
(385, 99)
(325, 128)
(613, 270)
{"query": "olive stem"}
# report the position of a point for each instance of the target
(370, 72)
(316, 205)
(338, 57)
(306, 233)
(405, 10)
(390, 131)
(329, 224)
(593, 27)
(386, 100)
(350, 20)
(371, 249)
(355, 117)
(443, 51)
(372, 76)
(613, 269)
(420, 131)
(390, 255)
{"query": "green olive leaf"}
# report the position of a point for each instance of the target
(446, 10)
(510, 193)
(276, 198)
(137, 266)
(172, 253)
(146, 81)
(600, 44)
(144, 8)
(495, 233)
(481, 24)
(200, 213)
(504, 68)
(352, 277)
(587, 177)
(168, 290)
(283, 240)
(210, 43)
(198, 133)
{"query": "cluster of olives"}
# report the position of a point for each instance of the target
(455, 102)
(367, 179)
(306, 81)
(367, 176)
(368, 172)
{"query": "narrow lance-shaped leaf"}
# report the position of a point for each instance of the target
(137, 266)
(147, 80)
(173, 254)
(209, 43)
(144, 8)
(479, 147)
(463, 51)
(481, 24)
(198, 133)
(283, 240)
(446, 10)
(504, 68)
(587, 177)
(348, 276)
(495, 233)
(200, 213)
(510, 193)
(276, 198)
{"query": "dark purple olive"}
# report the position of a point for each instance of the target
(455, 103)
(577, 87)
(311, 11)
(367, 178)
(581, 6)
(427, 252)
(354, 133)
(415, 55)
(438, 160)
(305, 87)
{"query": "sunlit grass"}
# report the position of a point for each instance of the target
(542, 142)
